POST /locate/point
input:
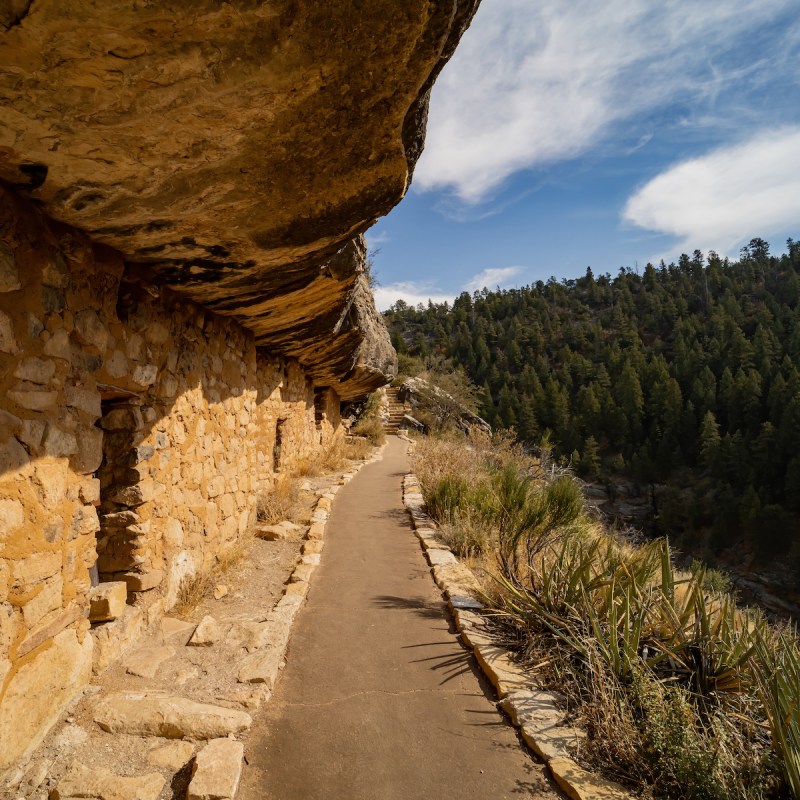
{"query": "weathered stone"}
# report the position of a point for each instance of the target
(505, 675)
(177, 630)
(35, 370)
(220, 591)
(207, 633)
(107, 601)
(316, 531)
(90, 330)
(313, 546)
(261, 667)
(58, 346)
(12, 515)
(169, 716)
(440, 557)
(145, 661)
(39, 691)
(578, 784)
(32, 432)
(143, 581)
(32, 398)
(312, 559)
(9, 274)
(49, 629)
(217, 770)
(172, 756)
(57, 442)
(302, 572)
(101, 784)
(34, 569)
(12, 455)
(8, 342)
(84, 399)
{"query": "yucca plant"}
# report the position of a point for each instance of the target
(777, 670)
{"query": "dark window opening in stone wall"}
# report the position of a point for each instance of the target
(122, 542)
(277, 450)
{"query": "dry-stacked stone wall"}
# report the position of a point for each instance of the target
(137, 431)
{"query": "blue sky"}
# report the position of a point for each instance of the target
(571, 134)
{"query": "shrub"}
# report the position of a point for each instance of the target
(371, 428)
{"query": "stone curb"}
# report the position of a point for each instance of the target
(535, 712)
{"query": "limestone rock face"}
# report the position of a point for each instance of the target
(236, 149)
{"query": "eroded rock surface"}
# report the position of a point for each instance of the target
(236, 149)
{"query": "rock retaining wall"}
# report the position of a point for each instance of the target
(137, 431)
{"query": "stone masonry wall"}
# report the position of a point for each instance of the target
(136, 433)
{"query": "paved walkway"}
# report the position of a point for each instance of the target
(378, 701)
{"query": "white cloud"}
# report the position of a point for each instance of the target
(721, 200)
(411, 292)
(492, 278)
(415, 292)
(534, 83)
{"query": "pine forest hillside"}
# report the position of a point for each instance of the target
(685, 379)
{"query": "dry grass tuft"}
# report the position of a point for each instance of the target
(282, 502)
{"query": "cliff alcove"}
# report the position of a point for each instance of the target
(183, 301)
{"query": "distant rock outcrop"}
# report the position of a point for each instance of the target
(236, 149)
(430, 402)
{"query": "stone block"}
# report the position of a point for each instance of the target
(32, 432)
(145, 662)
(84, 399)
(33, 399)
(49, 629)
(316, 531)
(107, 601)
(173, 756)
(89, 454)
(12, 455)
(90, 330)
(302, 572)
(58, 442)
(143, 581)
(176, 630)
(439, 557)
(170, 716)
(313, 546)
(34, 569)
(100, 784)
(39, 691)
(58, 346)
(8, 342)
(46, 601)
(217, 770)
(35, 370)
(12, 515)
(9, 273)
(207, 633)
(578, 784)
(261, 667)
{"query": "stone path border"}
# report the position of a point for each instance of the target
(534, 711)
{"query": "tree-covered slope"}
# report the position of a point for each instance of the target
(686, 375)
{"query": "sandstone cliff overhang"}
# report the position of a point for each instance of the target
(235, 149)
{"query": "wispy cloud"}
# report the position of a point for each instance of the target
(492, 278)
(720, 200)
(535, 83)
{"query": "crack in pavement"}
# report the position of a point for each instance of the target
(346, 698)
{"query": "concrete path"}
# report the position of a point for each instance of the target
(378, 701)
